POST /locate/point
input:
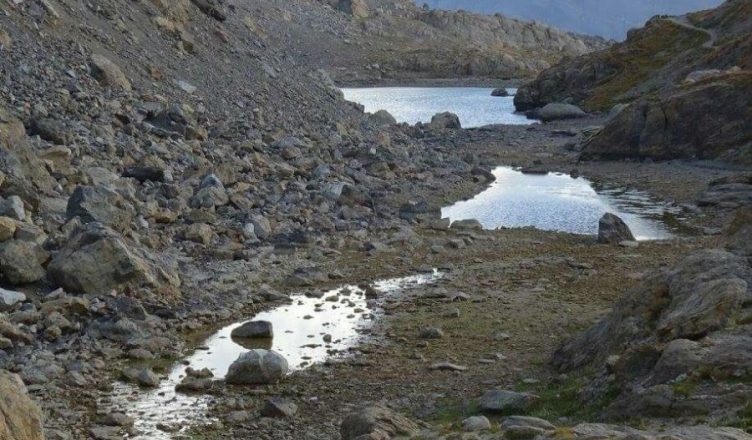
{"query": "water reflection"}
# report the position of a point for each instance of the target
(558, 202)
(308, 330)
(474, 105)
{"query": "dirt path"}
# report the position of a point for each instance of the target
(684, 22)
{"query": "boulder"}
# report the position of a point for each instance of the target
(100, 204)
(476, 423)
(257, 367)
(521, 427)
(199, 233)
(376, 423)
(281, 408)
(13, 207)
(500, 93)
(10, 299)
(212, 8)
(445, 121)
(381, 118)
(613, 230)
(254, 329)
(98, 259)
(356, 8)
(108, 73)
(20, 262)
(506, 402)
(20, 418)
(560, 111)
(7, 228)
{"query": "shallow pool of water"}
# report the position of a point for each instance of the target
(474, 105)
(299, 331)
(558, 202)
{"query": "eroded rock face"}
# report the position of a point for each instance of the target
(376, 423)
(98, 259)
(708, 120)
(687, 324)
(20, 418)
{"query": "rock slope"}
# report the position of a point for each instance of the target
(680, 84)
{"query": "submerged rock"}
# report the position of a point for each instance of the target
(500, 93)
(257, 367)
(613, 230)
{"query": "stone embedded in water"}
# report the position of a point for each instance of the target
(500, 92)
(257, 367)
(254, 329)
(503, 401)
(613, 230)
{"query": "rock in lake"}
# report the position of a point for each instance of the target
(257, 367)
(254, 329)
(613, 230)
(500, 92)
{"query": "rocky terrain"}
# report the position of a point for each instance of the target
(169, 167)
(369, 41)
(610, 19)
(667, 88)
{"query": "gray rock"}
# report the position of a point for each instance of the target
(381, 118)
(376, 422)
(108, 73)
(10, 299)
(613, 230)
(559, 111)
(520, 427)
(20, 262)
(476, 423)
(469, 224)
(500, 92)
(142, 376)
(20, 418)
(13, 207)
(97, 260)
(275, 407)
(445, 121)
(506, 402)
(261, 226)
(100, 204)
(257, 367)
(254, 329)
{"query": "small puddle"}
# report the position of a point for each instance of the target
(559, 202)
(299, 330)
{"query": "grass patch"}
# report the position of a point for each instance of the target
(564, 400)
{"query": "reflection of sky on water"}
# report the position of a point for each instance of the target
(474, 105)
(558, 202)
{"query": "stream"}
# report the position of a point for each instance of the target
(301, 331)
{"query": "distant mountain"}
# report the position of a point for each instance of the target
(606, 18)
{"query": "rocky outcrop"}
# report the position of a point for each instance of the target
(20, 418)
(674, 344)
(710, 119)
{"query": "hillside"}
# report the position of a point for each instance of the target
(382, 39)
(609, 19)
(671, 71)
